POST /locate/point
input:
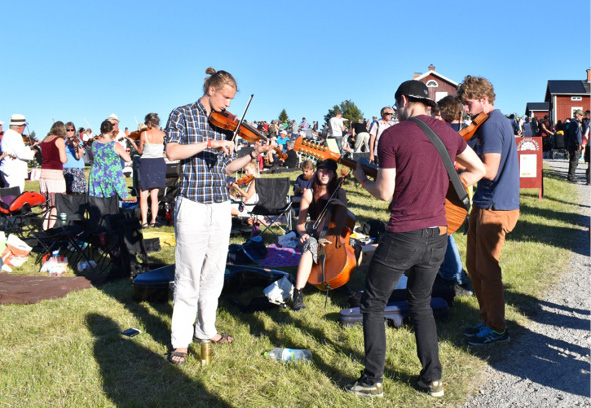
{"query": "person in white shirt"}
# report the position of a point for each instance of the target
(14, 166)
(376, 131)
(337, 126)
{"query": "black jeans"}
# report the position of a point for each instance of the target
(420, 253)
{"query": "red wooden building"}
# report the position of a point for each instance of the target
(564, 97)
(536, 109)
(438, 85)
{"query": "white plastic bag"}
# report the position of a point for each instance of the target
(16, 252)
(279, 291)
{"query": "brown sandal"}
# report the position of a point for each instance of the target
(225, 339)
(181, 355)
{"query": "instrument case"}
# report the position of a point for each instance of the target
(395, 314)
(158, 284)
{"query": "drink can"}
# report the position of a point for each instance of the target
(205, 352)
(103, 238)
(63, 216)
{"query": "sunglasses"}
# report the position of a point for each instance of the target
(70, 130)
(389, 113)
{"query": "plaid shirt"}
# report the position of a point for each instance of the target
(203, 176)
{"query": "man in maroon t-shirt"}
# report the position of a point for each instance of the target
(412, 175)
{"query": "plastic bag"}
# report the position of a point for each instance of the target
(16, 252)
(279, 291)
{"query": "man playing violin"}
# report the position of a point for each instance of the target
(415, 240)
(313, 202)
(202, 211)
(14, 165)
(495, 210)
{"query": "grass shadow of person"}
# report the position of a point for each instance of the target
(133, 375)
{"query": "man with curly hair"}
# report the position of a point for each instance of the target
(495, 210)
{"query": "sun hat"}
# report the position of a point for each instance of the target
(17, 120)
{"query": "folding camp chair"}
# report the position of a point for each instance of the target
(273, 203)
(18, 212)
(67, 232)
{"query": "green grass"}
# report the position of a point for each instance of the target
(68, 352)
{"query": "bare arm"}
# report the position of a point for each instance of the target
(61, 146)
(491, 163)
(120, 150)
(474, 168)
(304, 205)
(382, 187)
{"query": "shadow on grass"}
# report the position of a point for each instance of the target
(135, 376)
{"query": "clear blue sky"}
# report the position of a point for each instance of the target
(82, 60)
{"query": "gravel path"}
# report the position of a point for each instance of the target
(548, 365)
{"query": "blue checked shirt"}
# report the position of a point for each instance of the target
(203, 176)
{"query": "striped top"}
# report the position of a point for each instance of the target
(203, 176)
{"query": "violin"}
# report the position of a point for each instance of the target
(336, 256)
(244, 180)
(225, 120)
(282, 156)
(135, 135)
(467, 133)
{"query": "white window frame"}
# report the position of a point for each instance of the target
(576, 98)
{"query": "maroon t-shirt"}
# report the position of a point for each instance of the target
(421, 178)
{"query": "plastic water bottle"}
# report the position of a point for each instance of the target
(287, 354)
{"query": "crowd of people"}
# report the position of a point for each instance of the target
(417, 241)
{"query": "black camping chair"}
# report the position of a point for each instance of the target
(273, 203)
(559, 146)
(67, 232)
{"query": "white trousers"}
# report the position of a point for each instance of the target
(202, 234)
(362, 139)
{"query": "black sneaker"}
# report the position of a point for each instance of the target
(488, 337)
(298, 300)
(433, 388)
(474, 330)
(365, 388)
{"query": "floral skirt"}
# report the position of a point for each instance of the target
(75, 180)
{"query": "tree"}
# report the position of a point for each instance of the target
(349, 109)
(283, 116)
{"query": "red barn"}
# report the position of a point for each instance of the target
(564, 97)
(438, 85)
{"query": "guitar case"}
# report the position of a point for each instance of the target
(395, 313)
(158, 285)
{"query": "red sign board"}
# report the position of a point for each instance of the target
(529, 151)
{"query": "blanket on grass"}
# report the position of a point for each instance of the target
(32, 289)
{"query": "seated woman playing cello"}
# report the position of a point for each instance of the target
(313, 202)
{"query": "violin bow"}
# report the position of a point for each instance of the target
(241, 119)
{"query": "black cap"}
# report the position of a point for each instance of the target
(415, 89)
(329, 164)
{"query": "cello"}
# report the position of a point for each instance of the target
(336, 256)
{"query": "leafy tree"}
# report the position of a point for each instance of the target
(283, 116)
(349, 109)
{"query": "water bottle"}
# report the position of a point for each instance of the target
(287, 354)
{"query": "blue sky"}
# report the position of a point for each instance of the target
(82, 61)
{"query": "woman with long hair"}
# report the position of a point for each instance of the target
(74, 166)
(151, 167)
(313, 202)
(51, 181)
